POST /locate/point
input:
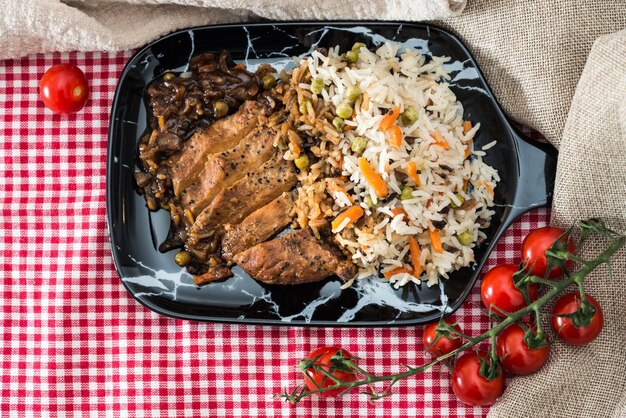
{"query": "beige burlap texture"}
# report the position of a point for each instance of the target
(28, 26)
(532, 53)
(588, 381)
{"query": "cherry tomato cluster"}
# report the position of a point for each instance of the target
(477, 377)
(500, 294)
(520, 348)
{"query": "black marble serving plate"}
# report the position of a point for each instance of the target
(526, 169)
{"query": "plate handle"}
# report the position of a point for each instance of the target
(537, 172)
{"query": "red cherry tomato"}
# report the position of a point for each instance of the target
(498, 289)
(534, 251)
(64, 89)
(315, 379)
(564, 327)
(443, 345)
(470, 386)
(516, 356)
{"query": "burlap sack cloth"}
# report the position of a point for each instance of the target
(533, 54)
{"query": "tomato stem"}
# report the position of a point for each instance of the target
(360, 370)
(576, 259)
(327, 375)
(539, 332)
(446, 330)
(557, 287)
(581, 288)
(537, 279)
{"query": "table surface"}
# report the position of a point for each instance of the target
(75, 343)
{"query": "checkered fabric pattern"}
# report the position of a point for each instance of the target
(75, 343)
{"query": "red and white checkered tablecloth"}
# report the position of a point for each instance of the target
(75, 343)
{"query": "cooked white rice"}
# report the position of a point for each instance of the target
(448, 178)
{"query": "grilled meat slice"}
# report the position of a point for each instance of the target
(232, 205)
(257, 227)
(222, 135)
(295, 258)
(223, 169)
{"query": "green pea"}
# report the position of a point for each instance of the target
(352, 56)
(220, 108)
(344, 110)
(409, 116)
(269, 81)
(317, 86)
(353, 93)
(182, 258)
(461, 199)
(303, 107)
(358, 144)
(466, 238)
(368, 201)
(357, 46)
(302, 162)
(407, 193)
(338, 123)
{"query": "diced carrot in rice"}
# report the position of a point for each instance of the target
(390, 118)
(373, 178)
(467, 126)
(439, 139)
(391, 273)
(347, 217)
(435, 240)
(415, 257)
(411, 171)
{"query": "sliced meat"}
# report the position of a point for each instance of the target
(295, 258)
(257, 227)
(256, 189)
(223, 169)
(224, 134)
